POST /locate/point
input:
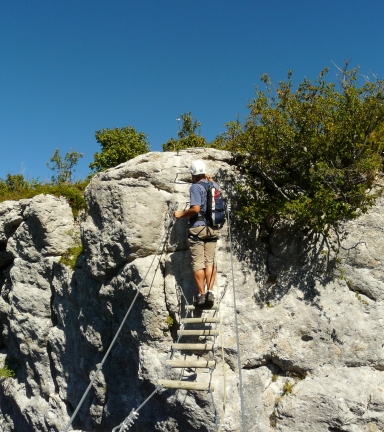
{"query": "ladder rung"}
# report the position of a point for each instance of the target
(199, 320)
(198, 332)
(193, 347)
(190, 363)
(185, 385)
(191, 307)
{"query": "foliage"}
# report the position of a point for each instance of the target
(70, 256)
(73, 192)
(63, 167)
(311, 154)
(16, 187)
(287, 388)
(6, 372)
(358, 296)
(188, 135)
(273, 419)
(228, 140)
(170, 321)
(118, 145)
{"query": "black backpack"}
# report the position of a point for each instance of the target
(215, 214)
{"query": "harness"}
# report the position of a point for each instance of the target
(196, 237)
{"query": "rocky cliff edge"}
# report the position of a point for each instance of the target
(311, 344)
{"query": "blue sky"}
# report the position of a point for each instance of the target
(69, 68)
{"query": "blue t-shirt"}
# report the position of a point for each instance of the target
(198, 197)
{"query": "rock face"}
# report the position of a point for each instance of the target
(312, 356)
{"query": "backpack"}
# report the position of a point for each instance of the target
(215, 212)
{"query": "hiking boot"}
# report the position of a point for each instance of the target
(209, 299)
(199, 301)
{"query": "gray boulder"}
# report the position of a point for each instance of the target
(310, 336)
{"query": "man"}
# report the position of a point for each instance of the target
(201, 237)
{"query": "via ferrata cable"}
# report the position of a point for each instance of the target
(166, 233)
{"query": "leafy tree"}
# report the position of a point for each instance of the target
(228, 140)
(188, 134)
(310, 154)
(118, 146)
(63, 167)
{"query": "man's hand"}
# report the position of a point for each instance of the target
(192, 211)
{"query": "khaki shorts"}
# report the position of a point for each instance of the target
(202, 244)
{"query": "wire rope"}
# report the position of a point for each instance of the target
(237, 327)
(128, 421)
(120, 328)
(224, 374)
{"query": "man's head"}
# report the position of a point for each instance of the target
(198, 170)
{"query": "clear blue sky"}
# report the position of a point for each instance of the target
(69, 68)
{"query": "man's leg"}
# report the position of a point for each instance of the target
(210, 271)
(199, 279)
(196, 247)
(210, 275)
(210, 261)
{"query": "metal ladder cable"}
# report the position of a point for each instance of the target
(224, 374)
(220, 299)
(121, 326)
(128, 421)
(236, 325)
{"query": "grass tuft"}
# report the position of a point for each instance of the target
(170, 321)
(6, 372)
(287, 389)
(70, 256)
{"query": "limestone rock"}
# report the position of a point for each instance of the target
(310, 341)
(37, 231)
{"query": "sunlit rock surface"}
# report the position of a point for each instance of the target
(310, 326)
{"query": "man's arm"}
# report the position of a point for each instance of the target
(192, 211)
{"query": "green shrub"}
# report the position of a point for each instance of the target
(6, 372)
(310, 154)
(273, 419)
(188, 135)
(358, 296)
(16, 187)
(170, 321)
(70, 256)
(287, 388)
(117, 146)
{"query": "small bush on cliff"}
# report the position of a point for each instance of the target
(117, 146)
(287, 388)
(311, 154)
(70, 256)
(6, 372)
(16, 187)
(188, 134)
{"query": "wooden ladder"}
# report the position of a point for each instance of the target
(201, 348)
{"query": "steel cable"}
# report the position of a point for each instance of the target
(237, 327)
(121, 326)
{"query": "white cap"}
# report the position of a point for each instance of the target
(197, 167)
